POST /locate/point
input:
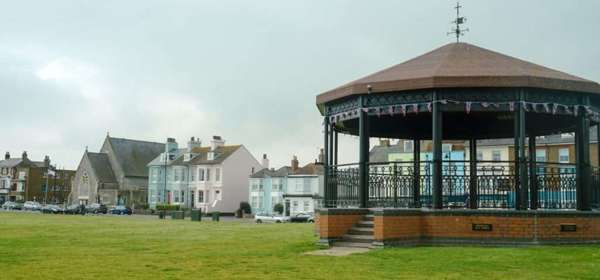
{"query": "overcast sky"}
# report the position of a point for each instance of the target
(246, 70)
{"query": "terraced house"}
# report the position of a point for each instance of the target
(211, 178)
(298, 189)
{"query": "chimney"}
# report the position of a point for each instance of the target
(24, 156)
(193, 143)
(265, 161)
(321, 156)
(170, 149)
(47, 161)
(294, 163)
(384, 142)
(7, 155)
(216, 142)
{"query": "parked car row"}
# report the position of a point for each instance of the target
(298, 218)
(75, 209)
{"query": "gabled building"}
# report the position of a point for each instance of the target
(117, 174)
(211, 178)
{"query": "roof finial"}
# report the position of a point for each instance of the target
(458, 21)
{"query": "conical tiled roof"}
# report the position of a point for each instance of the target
(462, 65)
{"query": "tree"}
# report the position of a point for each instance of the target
(278, 208)
(245, 207)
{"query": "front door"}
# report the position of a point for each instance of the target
(192, 201)
(287, 207)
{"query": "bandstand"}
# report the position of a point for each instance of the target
(467, 93)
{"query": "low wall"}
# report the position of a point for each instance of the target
(510, 227)
(332, 223)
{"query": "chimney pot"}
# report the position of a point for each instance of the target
(7, 155)
(295, 163)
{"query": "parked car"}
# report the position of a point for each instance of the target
(52, 209)
(96, 208)
(9, 205)
(302, 218)
(32, 206)
(75, 209)
(120, 210)
(270, 219)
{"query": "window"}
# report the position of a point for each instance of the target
(563, 155)
(176, 196)
(295, 206)
(217, 195)
(201, 196)
(306, 206)
(479, 155)
(201, 174)
(207, 174)
(496, 156)
(254, 202)
(218, 174)
(540, 155)
(176, 173)
(182, 196)
(192, 177)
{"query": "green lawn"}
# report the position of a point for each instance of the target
(35, 246)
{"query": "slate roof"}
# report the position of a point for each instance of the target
(101, 166)
(221, 153)
(134, 155)
(12, 162)
(265, 172)
(310, 169)
(462, 65)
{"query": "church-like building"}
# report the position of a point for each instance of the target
(117, 174)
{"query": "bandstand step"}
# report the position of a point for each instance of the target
(358, 238)
(361, 231)
(365, 224)
(368, 218)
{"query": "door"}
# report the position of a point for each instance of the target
(287, 207)
(192, 200)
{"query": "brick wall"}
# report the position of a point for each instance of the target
(443, 226)
(333, 223)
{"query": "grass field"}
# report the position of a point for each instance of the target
(35, 246)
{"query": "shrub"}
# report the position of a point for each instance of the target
(245, 207)
(278, 208)
(167, 207)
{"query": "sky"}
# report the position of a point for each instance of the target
(249, 71)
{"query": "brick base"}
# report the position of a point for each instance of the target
(401, 227)
(333, 223)
(485, 227)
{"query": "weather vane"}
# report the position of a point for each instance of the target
(457, 31)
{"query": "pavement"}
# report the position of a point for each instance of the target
(338, 251)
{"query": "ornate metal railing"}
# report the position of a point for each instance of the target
(393, 184)
(595, 192)
(557, 185)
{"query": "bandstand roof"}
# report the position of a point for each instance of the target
(462, 65)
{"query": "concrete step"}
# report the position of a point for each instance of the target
(352, 245)
(358, 238)
(361, 231)
(368, 217)
(365, 224)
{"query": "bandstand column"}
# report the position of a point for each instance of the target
(533, 186)
(437, 153)
(363, 169)
(417, 173)
(582, 150)
(335, 147)
(520, 163)
(332, 155)
(327, 196)
(473, 201)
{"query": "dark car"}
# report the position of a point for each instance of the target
(75, 209)
(96, 208)
(121, 210)
(52, 209)
(302, 218)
